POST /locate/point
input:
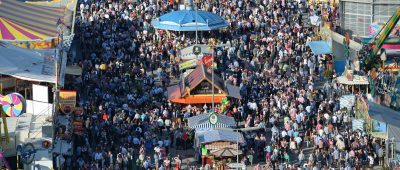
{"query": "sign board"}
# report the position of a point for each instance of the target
(213, 118)
(40, 93)
(188, 64)
(207, 60)
(196, 50)
(67, 100)
(379, 129)
(358, 124)
(237, 165)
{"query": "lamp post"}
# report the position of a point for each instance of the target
(237, 147)
(212, 46)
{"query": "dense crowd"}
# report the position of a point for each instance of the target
(127, 66)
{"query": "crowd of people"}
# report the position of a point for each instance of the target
(127, 65)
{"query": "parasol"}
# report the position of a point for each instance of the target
(226, 152)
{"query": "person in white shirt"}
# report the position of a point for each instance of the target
(167, 123)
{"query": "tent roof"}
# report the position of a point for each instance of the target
(32, 65)
(20, 21)
(185, 20)
(384, 114)
(319, 47)
(357, 80)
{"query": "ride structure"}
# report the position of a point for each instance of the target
(379, 39)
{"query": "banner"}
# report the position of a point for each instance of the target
(67, 100)
(347, 101)
(379, 129)
(188, 64)
(358, 124)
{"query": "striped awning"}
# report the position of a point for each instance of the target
(20, 21)
(216, 147)
(208, 126)
(201, 122)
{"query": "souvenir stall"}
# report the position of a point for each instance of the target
(353, 83)
(219, 147)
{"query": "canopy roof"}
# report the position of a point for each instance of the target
(357, 80)
(388, 116)
(201, 122)
(185, 20)
(20, 21)
(31, 65)
(219, 136)
(319, 47)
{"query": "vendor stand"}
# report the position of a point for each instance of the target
(353, 82)
(196, 88)
(219, 146)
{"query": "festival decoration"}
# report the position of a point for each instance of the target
(13, 104)
(224, 104)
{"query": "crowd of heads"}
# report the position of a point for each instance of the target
(127, 65)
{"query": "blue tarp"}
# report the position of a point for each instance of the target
(339, 66)
(320, 47)
(185, 20)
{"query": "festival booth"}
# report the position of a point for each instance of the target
(196, 88)
(353, 83)
(215, 141)
(31, 40)
(385, 124)
(219, 147)
(323, 47)
(379, 121)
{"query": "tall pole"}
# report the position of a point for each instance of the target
(58, 54)
(212, 76)
(237, 147)
(196, 23)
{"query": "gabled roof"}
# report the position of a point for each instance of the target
(191, 81)
(200, 74)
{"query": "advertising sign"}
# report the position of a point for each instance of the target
(379, 129)
(187, 64)
(67, 100)
(358, 124)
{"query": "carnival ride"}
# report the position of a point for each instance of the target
(385, 82)
(379, 39)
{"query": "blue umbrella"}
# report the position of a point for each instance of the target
(185, 20)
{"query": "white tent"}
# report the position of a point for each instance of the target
(27, 64)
